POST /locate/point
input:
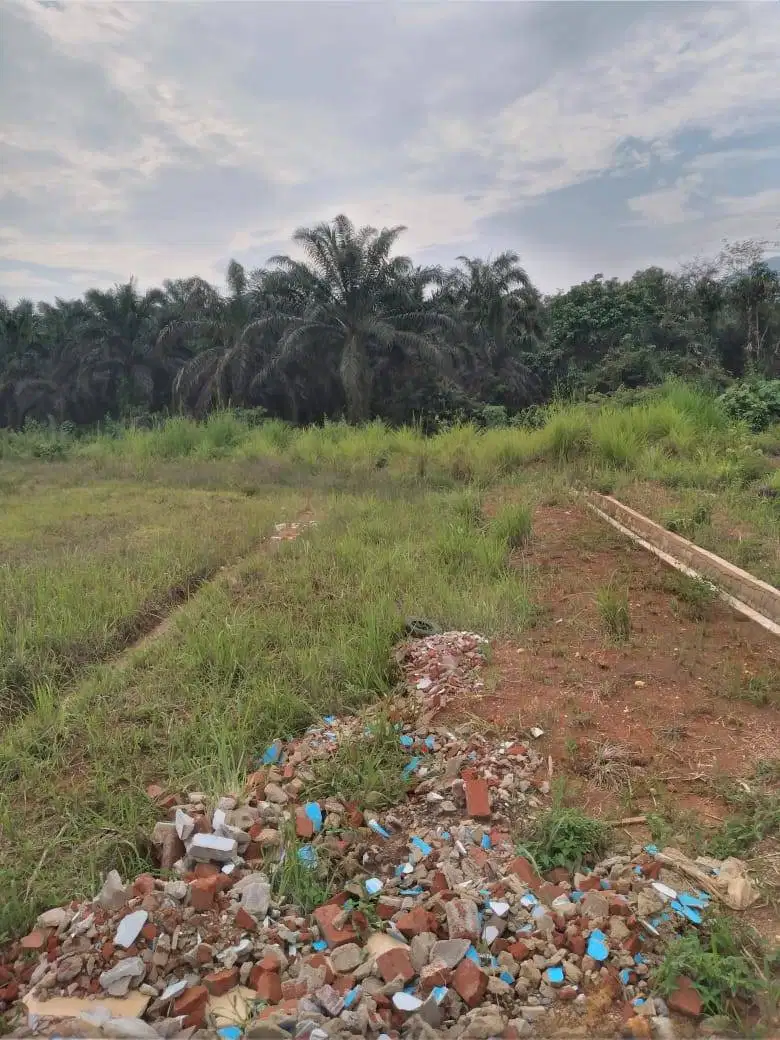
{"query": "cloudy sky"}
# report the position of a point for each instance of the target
(160, 139)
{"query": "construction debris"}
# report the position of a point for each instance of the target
(434, 924)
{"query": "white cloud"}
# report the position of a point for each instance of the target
(670, 205)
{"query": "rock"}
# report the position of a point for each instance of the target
(685, 999)
(130, 928)
(416, 922)
(638, 1027)
(663, 1028)
(330, 1000)
(116, 981)
(176, 890)
(595, 904)
(58, 916)
(256, 898)
(420, 949)
(521, 868)
(520, 1028)
(470, 982)
(451, 951)
(220, 982)
(113, 894)
(462, 920)
(206, 848)
(483, 1022)
(275, 794)
(167, 843)
(346, 958)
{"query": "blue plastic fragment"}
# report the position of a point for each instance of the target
(352, 995)
(439, 993)
(416, 891)
(472, 955)
(598, 947)
(430, 743)
(605, 883)
(575, 896)
(329, 720)
(638, 1001)
(529, 900)
(314, 813)
(637, 870)
(486, 842)
(446, 835)
(272, 753)
(229, 1032)
(539, 912)
(410, 767)
(373, 886)
(686, 911)
(625, 976)
(526, 928)
(406, 740)
(308, 856)
(422, 846)
(506, 977)
(319, 945)
(331, 735)
(377, 828)
(651, 849)
(555, 975)
(639, 958)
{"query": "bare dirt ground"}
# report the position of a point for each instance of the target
(656, 724)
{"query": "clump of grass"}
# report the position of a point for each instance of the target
(694, 596)
(687, 523)
(612, 602)
(761, 689)
(303, 883)
(728, 964)
(757, 817)
(565, 836)
(512, 525)
(368, 768)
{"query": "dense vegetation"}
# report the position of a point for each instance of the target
(355, 331)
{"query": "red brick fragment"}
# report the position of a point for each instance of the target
(435, 974)
(416, 921)
(202, 892)
(245, 920)
(395, 962)
(10, 992)
(523, 869)
(519, 950)
(333, 934)
(304, 827)
(268, 985)
(219, 982)
(36, 940)
(191, 1000)
(685, 1000)
(477, 798)
(470, 982)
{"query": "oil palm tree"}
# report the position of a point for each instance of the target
(355, 306)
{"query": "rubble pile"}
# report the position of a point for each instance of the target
(435, 926)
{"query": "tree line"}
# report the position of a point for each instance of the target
(355, 330)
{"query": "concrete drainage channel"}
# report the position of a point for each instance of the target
(752, 597)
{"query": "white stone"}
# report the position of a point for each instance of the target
(130, 928)
(206, 847)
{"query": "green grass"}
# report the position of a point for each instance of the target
(513, 525)
(86, 569)
(693, 596)
(722, 962)
(301, 632)
(761, 688)
(368, 769)
(612, 603)
(755, 816)
(564, 836)
(295, 881)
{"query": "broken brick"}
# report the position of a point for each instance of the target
(191, 1000)
(394, 963)
(333, 934)
(470, 982)
(220, 982)
(477, 798)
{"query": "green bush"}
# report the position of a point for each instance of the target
(755, 402)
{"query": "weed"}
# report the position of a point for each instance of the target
(694, 595)
(722, 962)
(757, 817)
(512, 525)
(688, 524)
(564, 836)
(755, 688)
(368, 768)
(660, 829)
(298, 880)
(614, 610)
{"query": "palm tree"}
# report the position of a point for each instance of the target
(355, 306)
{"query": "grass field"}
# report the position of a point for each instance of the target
(99, 535)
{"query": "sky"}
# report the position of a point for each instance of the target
(160, 139)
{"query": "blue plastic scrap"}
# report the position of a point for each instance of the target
(422, 846)
(352, 996)
(308, 856)
(625, 976)
(697, 902)
(406, 740)
(374, 886)
(410, 767)
(651, 849)
(687, 912)
(506, 977)
(329, 720)
(430, 743)
(554, 975)
(229, 1032)
(314, 813)
(528, 901)
(319, 945)
(416, 891)
(272, 753)
(598, 947)
(439, 993)
(472, 954)
(486, 843)
(377, 828)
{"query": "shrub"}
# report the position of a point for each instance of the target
(566, 837)
(755, 402)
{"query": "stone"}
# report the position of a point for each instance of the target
(420, 949)
(130, 928)
(638, 1027)
(333, 934)
(477, 798)
(202, 893)
(69, 967)
(330, 1000)
(346, 958)
(256, 898)
(395, 963)
(434, 974)
(470, 982)
(207, 848)
(595, 904)
(521, 868)
(685, 999)
(113, 895)
(275, 794)
(482, 1023)
(462, 920)
(168, 845)
(59, 916)
(116, 981)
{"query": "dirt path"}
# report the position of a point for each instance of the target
(656, 724)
